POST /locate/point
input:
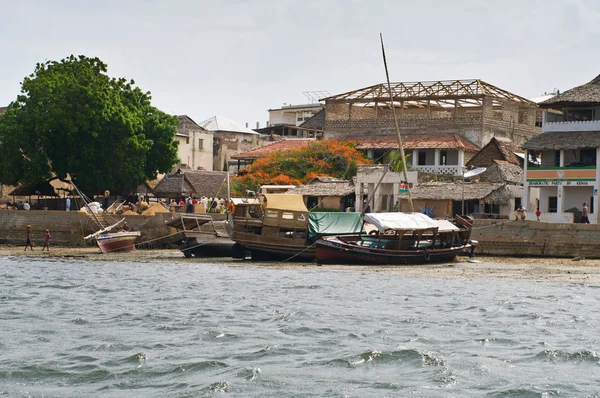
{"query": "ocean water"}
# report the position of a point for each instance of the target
(76, 328)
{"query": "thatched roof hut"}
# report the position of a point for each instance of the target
(557, 140)
(501, 171)
(488, 192)
(497, 149)
(588, 93)
(193, 183)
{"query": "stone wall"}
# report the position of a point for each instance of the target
(533, 238)
(69, 228)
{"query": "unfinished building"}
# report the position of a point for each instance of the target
(473, 109)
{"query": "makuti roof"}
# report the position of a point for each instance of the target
(496, 149)
(448, 141)
(501, 171)
(193, 182)
(324, 186)
(586, 93)
(489, 192)
(276, 146)
(221, 123)
(563, 140)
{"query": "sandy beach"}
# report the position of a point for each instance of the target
(570, 270)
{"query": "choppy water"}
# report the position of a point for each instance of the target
(74, 328)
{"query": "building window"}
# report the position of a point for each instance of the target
(580, 114)
(422, 158)
(187, 140)
(552, 204)
(588, 157)
(556, 158)
(591, 207)
(517, 203)
(443, 158)
(492, 208)
(200, 143)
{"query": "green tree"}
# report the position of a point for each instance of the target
(394, 159)
(71, 117)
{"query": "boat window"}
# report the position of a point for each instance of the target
(272, 213)
(302, 217)
(287, 216)
(254, 212)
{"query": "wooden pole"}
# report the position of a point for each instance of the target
(410, 202)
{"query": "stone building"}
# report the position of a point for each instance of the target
(473, 109)
(229, 139)
(195, 150)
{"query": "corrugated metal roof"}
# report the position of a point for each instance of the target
(448, 141)
(221, 123)
(276, 146)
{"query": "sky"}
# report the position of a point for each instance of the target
(240, 58)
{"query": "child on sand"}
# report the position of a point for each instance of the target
(46, 241)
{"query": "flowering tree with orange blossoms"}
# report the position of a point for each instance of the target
(298, 166)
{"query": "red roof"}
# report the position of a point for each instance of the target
(268, 149)
(448, 141)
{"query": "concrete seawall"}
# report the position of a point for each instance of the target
(533, 238)
(69, 227)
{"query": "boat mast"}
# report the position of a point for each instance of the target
(387, 75)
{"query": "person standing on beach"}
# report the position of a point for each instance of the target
(46, 241)
(584, 214)
(29, 243)
(538, 213)
(68, 204)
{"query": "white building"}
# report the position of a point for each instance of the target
(569, 149)
(229, 138)
(195, 149)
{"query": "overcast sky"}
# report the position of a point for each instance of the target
(240, 58)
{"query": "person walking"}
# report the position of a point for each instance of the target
(46, 241)
(28, 243)
(538, 213)
(68, 204)
(585, 214)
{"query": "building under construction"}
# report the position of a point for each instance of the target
(473, 109)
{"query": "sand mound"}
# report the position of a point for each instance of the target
(129, 213)
(155, 208)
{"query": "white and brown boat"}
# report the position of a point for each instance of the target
(400, 239)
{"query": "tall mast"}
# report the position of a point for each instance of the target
(404, 168)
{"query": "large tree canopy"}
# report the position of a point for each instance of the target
(297, 166)
(71, 117)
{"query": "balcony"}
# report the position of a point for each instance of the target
(587, 125)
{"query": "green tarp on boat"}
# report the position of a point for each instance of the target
(328, 224)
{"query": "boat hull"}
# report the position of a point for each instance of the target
(266, 252)
(335, 252)
(120, 242)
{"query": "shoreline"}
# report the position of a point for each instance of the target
(543, 269)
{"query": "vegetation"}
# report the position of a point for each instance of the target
(71, 117)
(394, 159)
(298, 166)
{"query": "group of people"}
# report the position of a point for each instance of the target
(29, 241)
(210, 205)
(521, 214)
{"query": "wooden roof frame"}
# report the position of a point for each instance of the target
(443, 93)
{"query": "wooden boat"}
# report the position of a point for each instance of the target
(400, 239)
(200, 236)
(280, 227)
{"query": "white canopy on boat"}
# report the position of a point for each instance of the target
(407, 222)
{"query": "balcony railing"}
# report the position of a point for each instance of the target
(455, 170)
(587, 125)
